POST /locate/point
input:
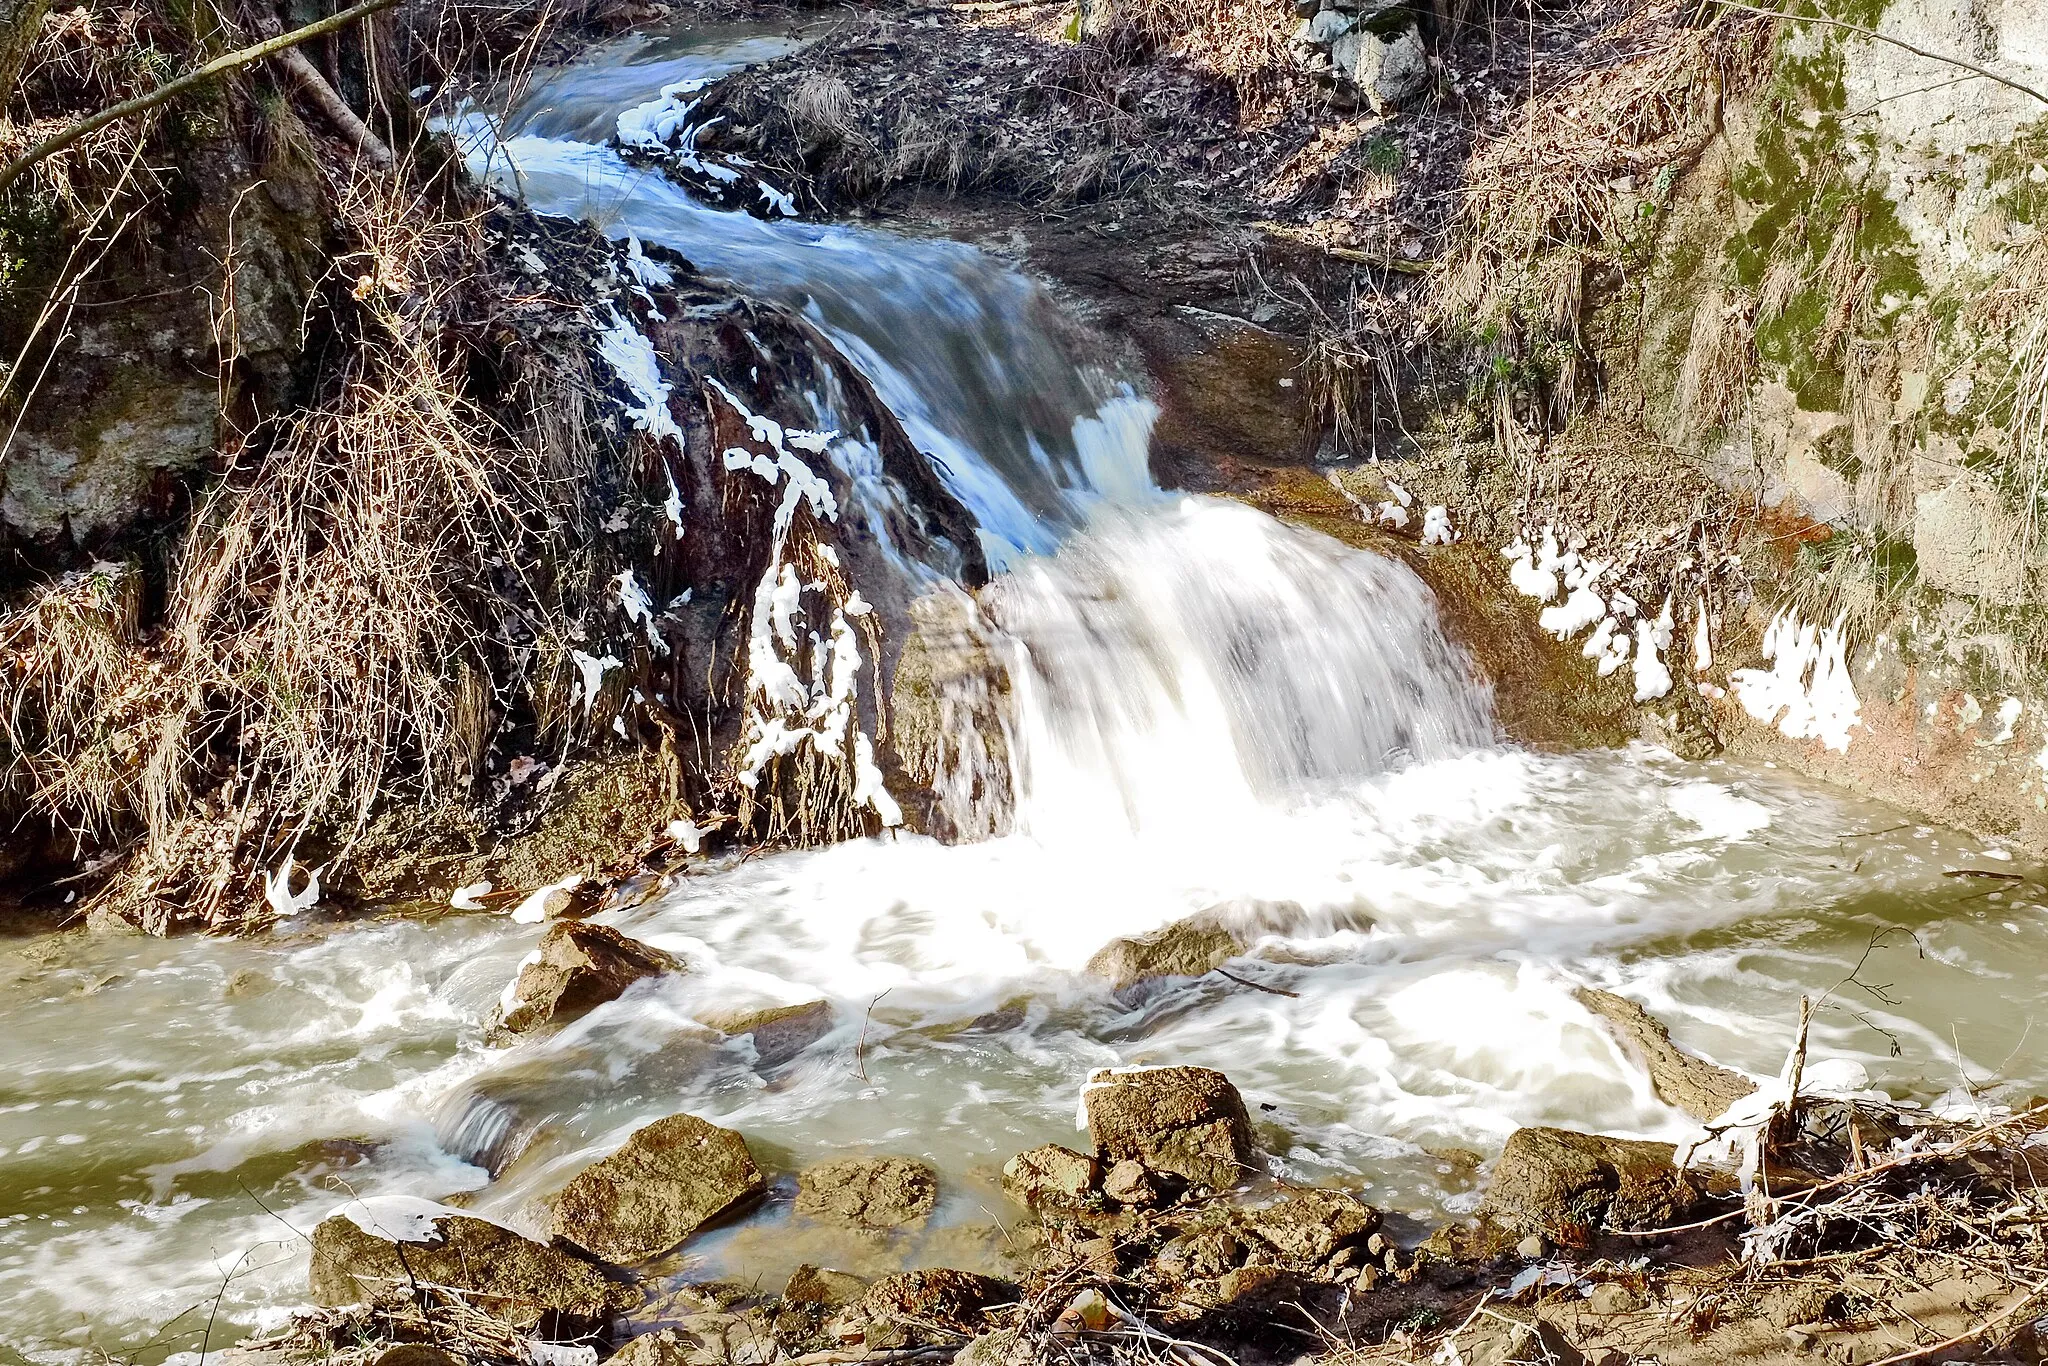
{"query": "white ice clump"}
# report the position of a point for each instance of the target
(534, 909)
(398, 1218)
(638, 607)
(1394, 513)
(1653, 677)
(2008, 720)
(631, 356)
(1702, 647)
(686, 833)
(278, 893)
(1436, 526)
(802, 478)
(591, 670)
(1534, 575)
(652, 124)
(1607, 646)
(464, 898)
(673, 507)
(537, 1353)
(1807, 692)
(663, 125)
(1583, 607)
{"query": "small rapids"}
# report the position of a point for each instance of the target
(1210, 712)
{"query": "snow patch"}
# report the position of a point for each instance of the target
(1807, 692)
(1436, 526)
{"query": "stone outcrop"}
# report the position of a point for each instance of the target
(1185, 1122)
(517, 1279)
(577, 968)
(868, 1192)
(1698, 1087)
(669, 1180)
(1052, 1179)
(1566, 1186)
(779, 1032)
(1309, 1227)
(1372, 51)
(1186, 948)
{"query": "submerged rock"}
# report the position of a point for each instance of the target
(1186, 948)
(919, 1308)
(1052, 1179)
(779, 1032)
(868, 1192)
(575, 969)
(1567, 1185)
(668, 1181)
(1187, 1122)
(373, 1246)
(1698, 1087)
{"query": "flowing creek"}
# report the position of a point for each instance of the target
(1213, 710)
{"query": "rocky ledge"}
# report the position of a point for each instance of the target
(1835, 1227)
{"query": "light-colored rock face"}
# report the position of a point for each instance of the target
(1966, 541)
(1186, 948)
(668, 1181)
(575, 969)
(1184, 1122)
(1052, 1179)
(779, 1033)
(868, 1192)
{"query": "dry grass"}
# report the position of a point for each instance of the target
(2016, 311)
(1576, 180)
(1713, 381)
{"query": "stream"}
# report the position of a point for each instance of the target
(1214, 712)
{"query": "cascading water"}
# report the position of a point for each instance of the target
(1208, 712)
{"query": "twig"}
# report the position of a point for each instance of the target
(1971, 67)
(860, 1061)
(1255, 986)
(57, 142)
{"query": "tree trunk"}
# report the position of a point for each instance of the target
(20, 22)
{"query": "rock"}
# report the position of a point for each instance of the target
(1186, 948)
(823, 1286)
(664, 1348)
(1497, 1341)
(919, 1308)
(1260, 1295)
(1386, 72)
(1187, 1122)
(1203, 1255)
(1699, 1088)
(868, 1192)
(1611, 1297)
(575, 969)
(1308, 1227)
(415, 1354)
(668, 1181)
(1565, 1185)
(1533, 1248)
(529, 1284)
(1326, 27)
(1786, 1306)
(1004, 1347)
(1128, 1183)
(779, 1032)
(571, 899)
(1052, 1178)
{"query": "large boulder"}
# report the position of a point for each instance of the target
(1186, 948)
(668, 1181)
(1187, 1122)
(575, 969)
(920, 1308)
(1699, 1088)
(1052, 1179)
(1567, 1185)
(779, 1033)
(377, 1245)
(868, 1192)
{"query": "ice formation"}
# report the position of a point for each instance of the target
(1436, 526)
(1807, 692)
(1653, 677)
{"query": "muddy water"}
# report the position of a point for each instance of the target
(1214, 712)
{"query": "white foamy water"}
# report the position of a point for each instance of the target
(1212, 713)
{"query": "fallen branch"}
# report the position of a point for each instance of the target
(334, 106)
(1255, 986)
(219, 66)
(1844, 24)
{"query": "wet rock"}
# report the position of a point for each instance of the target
(1052, 1178)
(779, 1032)
(823, 1286)
(575, 969)
(529, 1284)
(1187, 1122)
(868, 1192)
(1567, 1185)
(1186, 948)
(668, 1181)
(1699, 1088)
(666, 1347)
(919, 1308)
(573, 898)
(1309, 1227)
(1128, 1183)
